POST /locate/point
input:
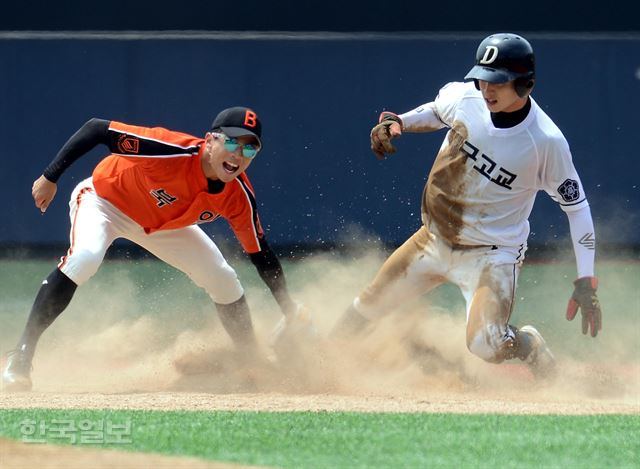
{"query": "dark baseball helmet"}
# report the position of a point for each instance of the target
(505, 57)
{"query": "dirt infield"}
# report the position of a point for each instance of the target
(415, 365)
(437, 402)
(388, 371)
(104, 353)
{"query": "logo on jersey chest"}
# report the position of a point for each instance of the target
(487, 167)
(162, 197)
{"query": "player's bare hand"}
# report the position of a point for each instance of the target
(390, 127)
(43, 192)
(584, 298)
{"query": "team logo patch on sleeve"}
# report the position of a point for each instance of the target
(569, 190)
(128, 144)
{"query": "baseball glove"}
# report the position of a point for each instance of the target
(294, 327)
(389, 127)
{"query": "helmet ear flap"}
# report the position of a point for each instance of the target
(523, 85)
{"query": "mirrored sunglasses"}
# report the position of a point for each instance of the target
(231, 144)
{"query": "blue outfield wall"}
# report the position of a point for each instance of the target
(318, 96)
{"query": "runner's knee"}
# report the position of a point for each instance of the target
(490, 343)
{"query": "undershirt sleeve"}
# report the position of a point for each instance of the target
(271, 273)
(421, 119)
(94, 132)
(584, 240)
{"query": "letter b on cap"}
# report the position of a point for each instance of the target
(490, 54)
(250, 119)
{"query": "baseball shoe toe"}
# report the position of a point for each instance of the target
(351, 324)
(16, 372)
(540, 360)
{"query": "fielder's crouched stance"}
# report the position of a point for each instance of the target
(153, 189)
(501, 148)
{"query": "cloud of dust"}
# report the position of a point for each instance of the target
(416, 350)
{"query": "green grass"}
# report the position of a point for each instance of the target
(307, 439)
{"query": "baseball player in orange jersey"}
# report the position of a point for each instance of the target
(154, 188)
(500, 150)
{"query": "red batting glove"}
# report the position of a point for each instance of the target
(584, 298)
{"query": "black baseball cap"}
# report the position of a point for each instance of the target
(238, 121)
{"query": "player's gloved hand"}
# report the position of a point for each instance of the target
(296, 326)
(388, 128)
(584, 297)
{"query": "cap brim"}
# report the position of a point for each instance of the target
(239, 132)
(491, 75)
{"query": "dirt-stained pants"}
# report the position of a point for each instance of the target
(486, 275)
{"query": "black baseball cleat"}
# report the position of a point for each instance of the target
(16, 372)
(540, 360)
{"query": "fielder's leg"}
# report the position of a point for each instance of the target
(52, 299)
(236, 320)
(92, 231)
(193, 252)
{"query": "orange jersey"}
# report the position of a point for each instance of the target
(154, 176)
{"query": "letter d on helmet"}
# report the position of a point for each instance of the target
(505, 57)
(490, 54)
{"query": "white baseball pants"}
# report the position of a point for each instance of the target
(96, 223)
(486, 275)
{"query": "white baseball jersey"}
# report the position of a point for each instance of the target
(483, 183)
